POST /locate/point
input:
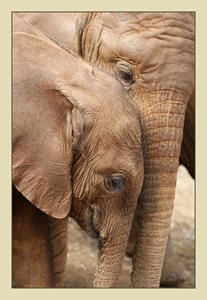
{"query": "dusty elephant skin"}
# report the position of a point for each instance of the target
(75, 152)
(152, 54)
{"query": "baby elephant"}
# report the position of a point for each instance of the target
(76, 151)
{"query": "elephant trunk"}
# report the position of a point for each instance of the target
(187, 155)
(162, 127)
(109, 265)
(111, 252)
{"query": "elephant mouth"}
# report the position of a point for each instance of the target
(84, 216)
(95, 234)
(88, 226)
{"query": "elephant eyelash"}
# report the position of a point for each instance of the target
(114, 183)
(124, 74)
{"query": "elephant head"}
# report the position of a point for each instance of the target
(76, 145)
(152, 55)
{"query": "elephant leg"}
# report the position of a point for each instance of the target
(187, 155)
(38, 246)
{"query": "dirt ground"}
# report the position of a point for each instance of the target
(82, 251)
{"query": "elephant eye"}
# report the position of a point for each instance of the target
(124, 74)
(114, 182)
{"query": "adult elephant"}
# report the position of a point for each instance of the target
(152, 54)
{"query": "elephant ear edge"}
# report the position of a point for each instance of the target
(43, 178)
(42, 134)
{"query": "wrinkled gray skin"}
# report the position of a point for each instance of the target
(152, 54)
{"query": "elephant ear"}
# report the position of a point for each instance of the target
(43, 128)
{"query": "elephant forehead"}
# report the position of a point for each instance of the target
(156, 44)
(179, 24)
(120, 158)
(138, 36)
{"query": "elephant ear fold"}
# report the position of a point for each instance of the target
(43, 133)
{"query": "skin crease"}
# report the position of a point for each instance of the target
(152, 55)
(68, 143)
